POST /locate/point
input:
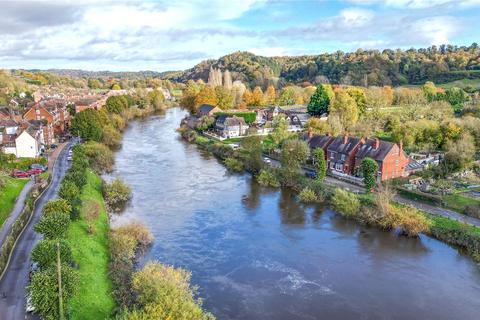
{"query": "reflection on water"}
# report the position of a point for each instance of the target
(257, 253)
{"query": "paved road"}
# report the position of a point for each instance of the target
(14, 281)
(17, 209)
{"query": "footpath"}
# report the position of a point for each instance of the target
(20, 201)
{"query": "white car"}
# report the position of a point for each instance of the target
(29, 307)
(267, 160)
(69, 158)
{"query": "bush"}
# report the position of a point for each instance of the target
(57, 206)
(472, 211)
(164, 292)
(307, 195)
(346, 203)
(412, 222)
(101, 158)
(77, 176)
(43, 291)
(45, 253)
(116, 195)
(54, 225)
(70, 192)
(111, 137)
(233, 164)
(267, 178)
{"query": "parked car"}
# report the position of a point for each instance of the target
(53, 146)
(267, 160)
(69, 158)
(39, 166)
(311, 174)
(29, 306)
(34, 171)
(20, 174)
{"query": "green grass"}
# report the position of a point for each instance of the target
(459, 202)
(44, 175)
(93, 299)
(232, 140)
(8, 194)
(463, 83)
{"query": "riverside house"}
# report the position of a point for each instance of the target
(231, 126)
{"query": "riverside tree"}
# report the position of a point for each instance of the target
(320, 100)
(320, 163)
(294, 153)
(87, 125)
(369, 168)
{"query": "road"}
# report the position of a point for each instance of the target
(15, 279)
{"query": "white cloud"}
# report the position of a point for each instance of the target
(417, 4)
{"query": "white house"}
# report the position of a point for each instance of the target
(230, 127)
(28, 144)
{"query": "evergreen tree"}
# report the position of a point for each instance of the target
(320, 163)
(369, 168)
(320, 100)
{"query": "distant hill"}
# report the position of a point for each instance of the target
(76, 73)
(363, 67)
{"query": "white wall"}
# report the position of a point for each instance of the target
(27, 146)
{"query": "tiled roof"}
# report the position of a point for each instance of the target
(344, 148)
(368, 149)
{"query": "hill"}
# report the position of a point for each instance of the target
(363, 67)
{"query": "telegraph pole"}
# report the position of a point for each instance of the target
(60, 296)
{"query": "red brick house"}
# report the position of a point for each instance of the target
(89, 102)
(341, 154)
(319, 141)
(39, 113)
(390, 157)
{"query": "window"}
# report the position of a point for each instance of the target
(343, 157)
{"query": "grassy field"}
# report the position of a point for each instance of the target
(94, 295)
(8, 194)
(475, 83)
(459, 202)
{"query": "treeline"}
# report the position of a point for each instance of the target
(363, 67)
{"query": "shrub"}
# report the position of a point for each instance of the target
(116, 194)
(412, 222)
(54, 225)
(137, 231)
(233, 164)
(43, 291)
(57, 206)
(346, 203)
(111, 137)
(268, 178)
(100, 156)
(45, 253)
(70, 192)
(307, 195)
(77, 176)
(473, 211)
(369, 168)
(164, 292)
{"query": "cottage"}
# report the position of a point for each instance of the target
(38, 113)
(390, 157)
(27, 144)
(229, 127)
(207, 110)
(341, 154)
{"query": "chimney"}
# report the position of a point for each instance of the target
(345, 138)
(400, 147)
(377, 143)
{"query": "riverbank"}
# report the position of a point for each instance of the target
(93, 299)
(456, 233)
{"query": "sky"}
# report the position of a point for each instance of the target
(177, 34)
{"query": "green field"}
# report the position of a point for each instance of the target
(459, 202)
(8, 194)
(474, 83)
(93, 299)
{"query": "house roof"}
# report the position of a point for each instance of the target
(319, 141)
(205, 108)
(339, 146)
(231, 121)
(369, 149)
(8, 123)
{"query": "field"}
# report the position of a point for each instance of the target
(8, 194)
(474, 83)
(94, 295)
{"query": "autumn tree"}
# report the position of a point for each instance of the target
(287, 96)
(430, 91)
(227, 80)
(247, 97)
(224, 98)
(320, 100)
(359, 96)
(294, 153)
(345, 107)
(206, 95)
(87, 125)
(270, 95)
(189, 94)
(280, 129)
(257, 96)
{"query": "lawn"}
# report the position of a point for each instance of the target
(8, 194)
(93, 299)
(459, 202)
(463, 83)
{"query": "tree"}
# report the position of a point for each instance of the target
(54, 225)
(460, 152)
(346, 203)
(164, 292)
(43, 291)
(369, 168)
(320, 100)
(287, 96)
(227, 80)
(280, 129)
(156, 99)
(456, 97)
(320, 163)
(214, 77)
(100, 156)
(69, 191)
(247, 97)
(359, 96)
(252, 146)
(111, 137)
(87, 125)
(116, 104)
(294, 153)
(116, 86)
(189, 94)
(206, 95)
(224, 98)
(430, 91)
(270, 95)
(94, 84)
(117, 194)
(45, 253)
(345, 108)
(257, 96)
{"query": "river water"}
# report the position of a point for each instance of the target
(257, 253)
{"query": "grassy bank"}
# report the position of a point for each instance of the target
(8, 194)
(94, 295)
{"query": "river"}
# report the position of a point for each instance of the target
(257, 253)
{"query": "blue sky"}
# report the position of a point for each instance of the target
(171, 35)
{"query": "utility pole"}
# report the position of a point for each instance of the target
(59, 271)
